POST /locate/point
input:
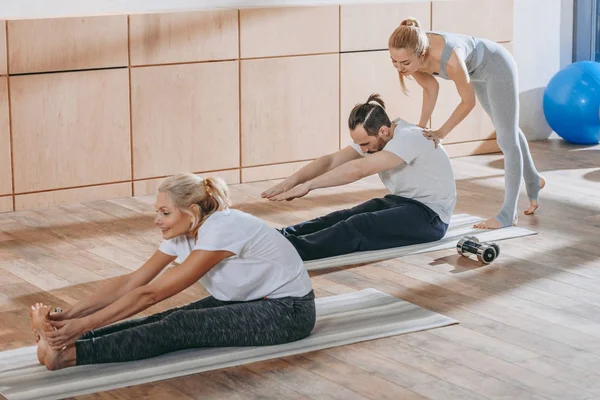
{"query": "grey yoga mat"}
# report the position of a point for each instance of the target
(343, 319)
(460, 225)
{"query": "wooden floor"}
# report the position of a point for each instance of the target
(529, 323)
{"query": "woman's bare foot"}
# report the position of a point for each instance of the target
(533, 204)
(57, 359)
(35, 323)
(52, 359)
(492, 223)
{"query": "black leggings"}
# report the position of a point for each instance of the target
(382, 223)
(205, 323)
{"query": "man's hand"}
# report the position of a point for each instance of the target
(281, 187)
(298, 191)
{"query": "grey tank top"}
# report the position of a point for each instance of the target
(472, 48)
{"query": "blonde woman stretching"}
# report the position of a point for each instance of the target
(260, 292)
(480, 69)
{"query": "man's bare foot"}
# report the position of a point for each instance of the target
(491, 223)
(533, 204)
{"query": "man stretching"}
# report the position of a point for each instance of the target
(415, 170)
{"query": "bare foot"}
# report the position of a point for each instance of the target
(52, 359)
(41, 351)
(491, 223)
(36, 326)
(56, 359)
(533, 204)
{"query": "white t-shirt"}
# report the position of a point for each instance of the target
(264, 264)
(426, 177)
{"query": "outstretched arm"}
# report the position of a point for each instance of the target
(312, 170)
(346, 173)
(173, 281)
(116, 288)
(431, 88)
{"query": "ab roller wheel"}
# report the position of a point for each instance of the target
(485, 252)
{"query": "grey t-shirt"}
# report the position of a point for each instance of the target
(426, 177)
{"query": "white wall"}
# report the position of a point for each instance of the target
(543, 45)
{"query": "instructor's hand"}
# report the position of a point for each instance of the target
(298, 191)
(436, 136)
(64, 333)
(281, 187)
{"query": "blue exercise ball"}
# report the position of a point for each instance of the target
(572, 102)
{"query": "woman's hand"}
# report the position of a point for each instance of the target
(298, 191)
(65, 332)
(436, 135)
(58, 314)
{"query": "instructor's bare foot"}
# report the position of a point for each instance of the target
(533, 204)
(491, 223)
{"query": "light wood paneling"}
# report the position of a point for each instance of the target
(369, 26)
(63, 44)
(77, 195)
(70, 129)
(150, 186)
(5, 153)
(183, 36)
(472, 148)
(284, 31)
(185, 118)
(476, 126)
(254, 174)
(6, 203)
(3, 64)
(489, 19)
(290, 109)
(372, 72)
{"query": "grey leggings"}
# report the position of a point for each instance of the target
(205, 323)
(495, 85)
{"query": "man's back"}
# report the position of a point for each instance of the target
(427, 175)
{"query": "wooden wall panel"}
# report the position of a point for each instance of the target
(185, 118)
(150, 186)
(70, 129)
(64, 44)
(254, 174)
(6, 204)
(369, 26)
(290, 109)
(3, 63)
(77, 195)
(183, 37)
(266, 32)
(5, 153)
